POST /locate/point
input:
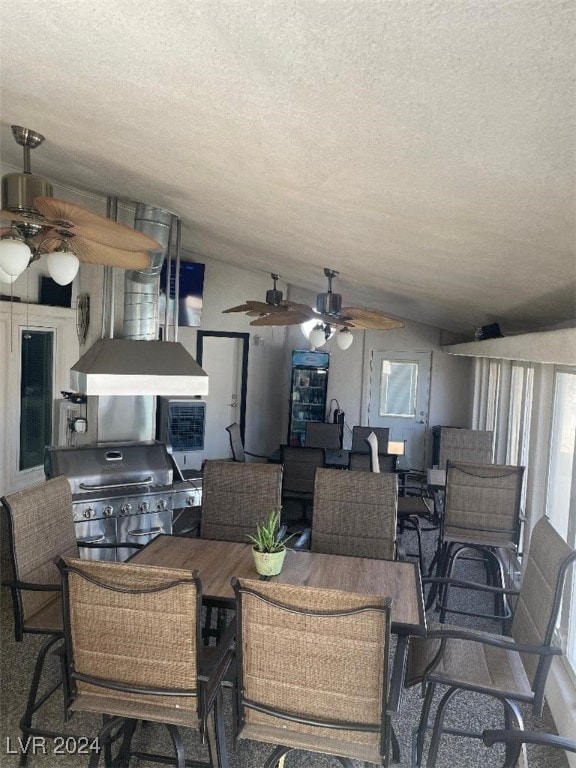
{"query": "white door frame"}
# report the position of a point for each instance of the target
(369, 352)
(245, 339)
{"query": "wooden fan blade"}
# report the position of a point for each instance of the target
(311, 314)
(91, 226)
(280, 318)
(264, 307)
(239, 308)
(89, 252)
(370, 319)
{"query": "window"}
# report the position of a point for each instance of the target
(398, 388)
(35, 397)
(561, 497)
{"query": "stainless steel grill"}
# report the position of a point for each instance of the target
(121, 493)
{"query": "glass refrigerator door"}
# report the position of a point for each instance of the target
(308, 401)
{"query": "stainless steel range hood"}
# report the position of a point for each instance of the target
(128, 367)
(139, 364)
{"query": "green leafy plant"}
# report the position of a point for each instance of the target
(269, 537)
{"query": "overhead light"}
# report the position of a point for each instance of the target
(6, 278)
(15, 255)
(344, 339)
(39, 221)
(62, 264)
(317, 336)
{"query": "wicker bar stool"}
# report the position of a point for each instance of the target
(355, 514)
(512, 670)
(134, 653)
(335, 703)
(481, 514)
(235, 496)
(40, 528)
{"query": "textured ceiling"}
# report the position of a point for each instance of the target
(423, 148)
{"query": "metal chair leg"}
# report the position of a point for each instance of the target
(178, 745)
(216, 736)
(104, 734)
(33, 703)
(276, 759)
(423, 723)
(437, 729)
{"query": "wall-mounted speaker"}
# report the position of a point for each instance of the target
(491, 331)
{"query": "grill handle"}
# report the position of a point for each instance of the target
(142, 532)
(87, 487)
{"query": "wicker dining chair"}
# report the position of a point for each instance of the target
(355, 514)
(333, 704)
(471, 446)
(511, 669)
(300, 466)
(515, 742)
(364, 462)
(235, 497)
(133, 653)
(410, 509)
(321, 434)
(239, 453)
(41, 528)
(360, 435)
(481, 514)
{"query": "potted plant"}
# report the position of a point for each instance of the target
(269, 545)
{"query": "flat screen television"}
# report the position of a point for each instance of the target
(190, 292)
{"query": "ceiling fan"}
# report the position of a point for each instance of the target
(67, 233)
(329, 314)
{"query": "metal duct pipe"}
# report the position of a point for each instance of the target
(141, 287)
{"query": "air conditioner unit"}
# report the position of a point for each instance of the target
(181, 423)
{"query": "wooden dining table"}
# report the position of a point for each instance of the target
(218, 561)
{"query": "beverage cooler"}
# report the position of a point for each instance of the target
(308, 389)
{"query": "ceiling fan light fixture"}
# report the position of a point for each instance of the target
(6, 278)
(317, 336)
(20, 189)
(15, 255)
(344, 339)
(62, 264)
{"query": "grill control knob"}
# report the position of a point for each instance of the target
(88, 512)
(107, 511)
(162, 505)
(126, 508)
(144, 506)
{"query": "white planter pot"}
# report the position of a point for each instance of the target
(269, 563)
